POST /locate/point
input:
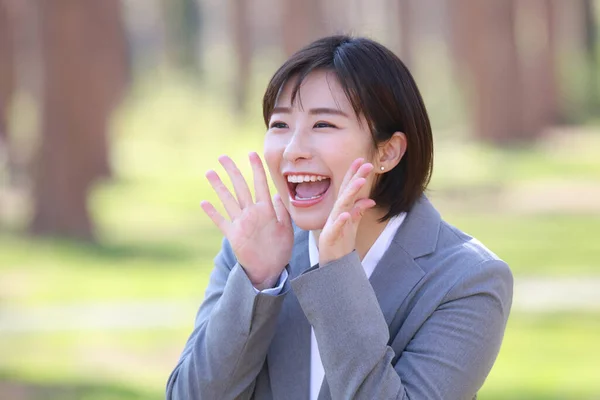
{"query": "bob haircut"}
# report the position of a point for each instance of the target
(382, 90)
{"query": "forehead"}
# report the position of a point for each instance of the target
(318, 89)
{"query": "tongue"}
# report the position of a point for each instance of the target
(307, 190)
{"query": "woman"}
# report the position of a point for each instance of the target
(348, 284)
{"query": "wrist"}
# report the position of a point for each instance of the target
(326, 258)
(267, 283)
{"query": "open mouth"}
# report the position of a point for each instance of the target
(306, 189)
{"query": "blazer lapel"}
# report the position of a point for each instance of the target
(397, 273)
(289, 354)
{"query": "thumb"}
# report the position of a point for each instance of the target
(282, 213)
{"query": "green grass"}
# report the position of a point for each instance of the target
(543, 357)
(137, 359)
(547, 244)
(547, 357)
(45, 272)
(175, 262)
(567, 157)
(68, 391)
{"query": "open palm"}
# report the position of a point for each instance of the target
(260, 232)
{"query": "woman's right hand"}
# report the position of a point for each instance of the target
(260, 232)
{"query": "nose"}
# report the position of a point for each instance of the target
(298, 147)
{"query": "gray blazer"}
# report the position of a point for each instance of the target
(427, 325)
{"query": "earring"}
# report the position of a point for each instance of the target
(382, 168)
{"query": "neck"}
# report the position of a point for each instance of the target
(369, 230)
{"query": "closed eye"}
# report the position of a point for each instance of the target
(324, 125)
(278, 125)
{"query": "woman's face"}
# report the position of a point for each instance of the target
(310, 145)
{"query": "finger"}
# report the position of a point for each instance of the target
(348, 197)
(364, 170)
(229, 202)
(350, 173)
(282, 213)
(261, 185)
(215, 216)
(242, 191)
(362, 173)
(359, 209)
(338, 226)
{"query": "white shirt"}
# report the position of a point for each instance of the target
(375, 253)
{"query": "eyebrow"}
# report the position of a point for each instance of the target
(312, 111)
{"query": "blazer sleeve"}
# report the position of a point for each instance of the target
(448, 358)
(232, 332)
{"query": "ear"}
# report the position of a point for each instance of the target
(391, 152)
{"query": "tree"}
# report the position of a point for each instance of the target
(302, 23)
(242, 43)
(407, 36)
(485, 52)
(182, 34)
(7, 71)
(591, 50)
(84, 72)
(538, 68)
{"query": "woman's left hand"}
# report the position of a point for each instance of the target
(338, 237)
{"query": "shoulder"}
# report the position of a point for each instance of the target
(454, 244)
(440, 248)
(467, 266)
(449, 259)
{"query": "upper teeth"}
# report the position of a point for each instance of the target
(305, 178)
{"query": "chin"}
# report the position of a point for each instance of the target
(309, 222)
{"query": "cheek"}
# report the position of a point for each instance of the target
(272, 153)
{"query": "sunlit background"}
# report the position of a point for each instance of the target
(112, 111)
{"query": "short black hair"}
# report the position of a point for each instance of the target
(380, 88)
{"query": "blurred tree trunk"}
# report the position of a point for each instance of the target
(242, 38)
(182, 31)
(7, 72)
(407, 38)
(302, 23)
(539, 62)
(104, 45)
(591, 49)
(84, 73)
(485, 52)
